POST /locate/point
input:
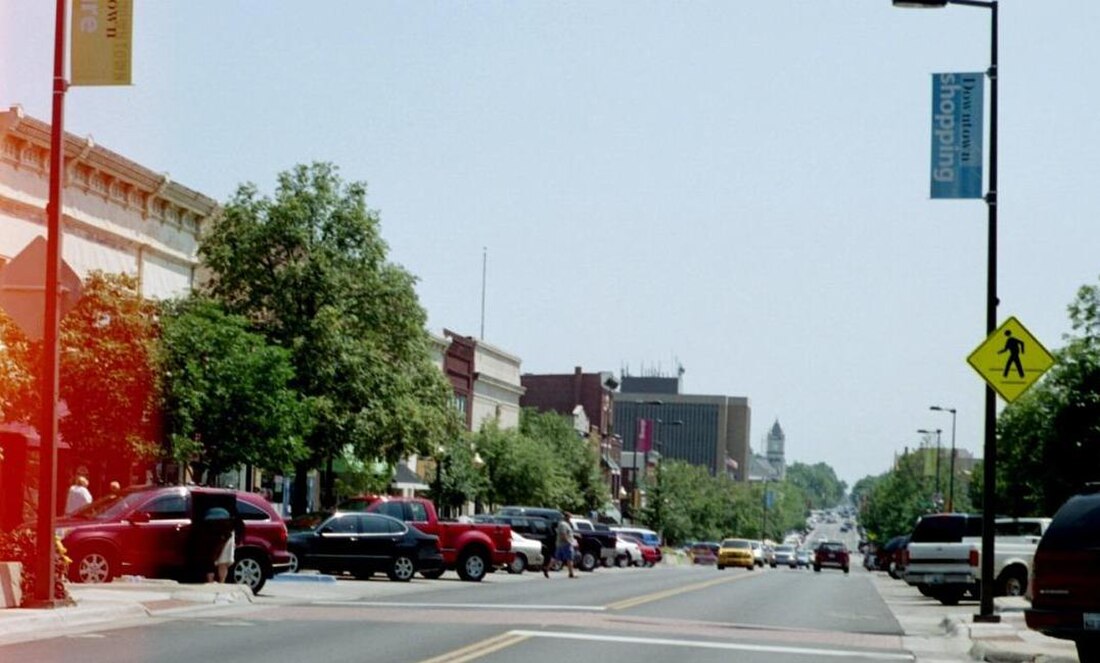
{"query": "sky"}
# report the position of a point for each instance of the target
(740, 188)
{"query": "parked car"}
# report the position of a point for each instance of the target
(648, 536)
(1065, 577)
(593, 544)
(736, 552)
(651, 554)
(627, 552)
(831, 554)
(704, 552)
(891, 557)
(471, 549)
(528, 553)
(362, 544)
(149, 530)
(785, 555)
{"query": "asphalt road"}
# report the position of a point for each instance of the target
(636, 615)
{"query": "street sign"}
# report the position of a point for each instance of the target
(23, 282)
(1010, 359)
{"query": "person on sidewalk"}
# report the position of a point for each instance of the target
(564, 551)
(79, 495)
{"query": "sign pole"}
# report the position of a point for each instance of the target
(989, 463)
(47, 429)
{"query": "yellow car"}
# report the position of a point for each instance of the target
(736, 552)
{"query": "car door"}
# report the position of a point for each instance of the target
(380, 536)
(337, 545)
(155, 542)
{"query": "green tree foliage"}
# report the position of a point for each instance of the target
(688, 504)
(226, 393)
(891, 503)
(521, 470)
(108, 374)
(458, 479)
(18, 361)
(307, 267)
(819, 483)
(576, 456)
(1049, 439)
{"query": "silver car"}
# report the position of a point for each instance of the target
(786, 555)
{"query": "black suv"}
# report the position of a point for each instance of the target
(1065, 577)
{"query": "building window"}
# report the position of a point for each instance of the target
(460, 403)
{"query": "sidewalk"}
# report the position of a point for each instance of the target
(125, 599)
(936, 632)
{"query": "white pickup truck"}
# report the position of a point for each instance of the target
(944, 555)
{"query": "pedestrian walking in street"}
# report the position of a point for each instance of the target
(564, 551)
(79, 495)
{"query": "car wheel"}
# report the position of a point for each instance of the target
(719, 567)
(472, 566)
(588, 561)
(434, 574)
(519, 564)
(622, 561)
(845, 569)
(295, 565)
(93, 565)
(773, 565)
(402, 569)
(817, 569)
(1013, 583)
(248, 571)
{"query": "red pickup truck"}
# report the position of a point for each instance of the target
(471, 549)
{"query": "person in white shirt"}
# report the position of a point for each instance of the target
(79, 495)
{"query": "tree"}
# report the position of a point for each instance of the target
(1049, 438)
(519, 470)
(819, 482)
(19, 359)
(226, 393)
(308, 269)
(108, 375)
(576, 457)
(897, 498)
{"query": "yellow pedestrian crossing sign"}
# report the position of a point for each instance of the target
(1010, 359)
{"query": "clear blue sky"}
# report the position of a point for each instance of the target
(742, 186)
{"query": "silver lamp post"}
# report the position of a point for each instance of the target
(951, 475)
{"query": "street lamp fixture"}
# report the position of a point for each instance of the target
(989, 463)
(951, 476)
(923, 431)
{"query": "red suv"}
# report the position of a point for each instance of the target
(148, 531)
(831, 553)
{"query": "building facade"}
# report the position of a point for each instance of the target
(118, 216)
(713, 433)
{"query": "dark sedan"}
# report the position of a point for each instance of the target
(362, 544)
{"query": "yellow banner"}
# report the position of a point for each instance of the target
(102, 42)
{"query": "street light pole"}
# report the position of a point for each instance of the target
(951, 478)
(989, 464)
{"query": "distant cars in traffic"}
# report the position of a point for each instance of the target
(736, 552)
(831, 554)
(704, 552)
(785, 555)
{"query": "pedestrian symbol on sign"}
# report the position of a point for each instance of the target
(1014, 347)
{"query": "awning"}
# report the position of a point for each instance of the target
(406, 478)
(611, 465)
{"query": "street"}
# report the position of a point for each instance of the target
(633, 615)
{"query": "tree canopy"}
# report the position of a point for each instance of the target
(308, 269)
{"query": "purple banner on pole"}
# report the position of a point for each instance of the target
(644, 441)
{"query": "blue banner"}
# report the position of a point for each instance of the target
(957, 128)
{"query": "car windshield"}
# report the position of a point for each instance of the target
(737, 544)
(307, 521)
(784, 549)
(111, 507)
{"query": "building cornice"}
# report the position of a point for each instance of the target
(500, 384)
(96, 170)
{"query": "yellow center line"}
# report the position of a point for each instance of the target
(657, 596)
(480, 648)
